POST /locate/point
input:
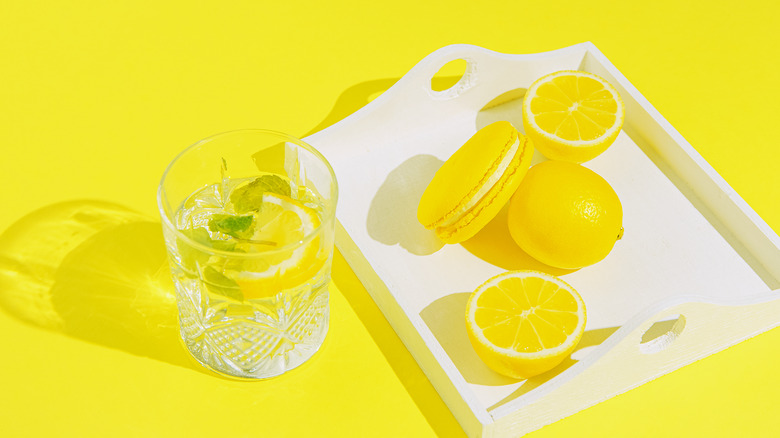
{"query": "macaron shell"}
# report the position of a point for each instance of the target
(464, 173)
(495, 199)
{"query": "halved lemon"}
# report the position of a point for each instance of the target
(523, 323)
(284, 258)
(572, 115)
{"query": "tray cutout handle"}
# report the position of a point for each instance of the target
(701, 328)
(466, 81)
(661, 334)
(449, 74)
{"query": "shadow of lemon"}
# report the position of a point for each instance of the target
(495, 245)
(446, 319)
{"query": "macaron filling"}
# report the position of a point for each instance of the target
(491, 181)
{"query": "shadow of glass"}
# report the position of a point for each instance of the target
(494, 245)
(392, 216)
(95, 271)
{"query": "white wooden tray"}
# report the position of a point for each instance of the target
(696, 271)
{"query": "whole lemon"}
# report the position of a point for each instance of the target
(565, 215)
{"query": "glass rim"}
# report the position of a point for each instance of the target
(329, 212)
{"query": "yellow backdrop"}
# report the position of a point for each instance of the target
(97, 97)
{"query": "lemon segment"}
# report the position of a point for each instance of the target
(524, 323)
(284, 260)
(572, 115)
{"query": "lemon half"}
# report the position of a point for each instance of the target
(523, 323)
(572, 115)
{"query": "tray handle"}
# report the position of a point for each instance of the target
(694, 329)
(411, 104)
(486, 72)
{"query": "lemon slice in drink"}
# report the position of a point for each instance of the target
(281, 258)
(523, 323)
(572, 115)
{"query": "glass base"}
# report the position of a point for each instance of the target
(267, 368)
(270, 341)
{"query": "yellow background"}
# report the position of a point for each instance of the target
(96, 97)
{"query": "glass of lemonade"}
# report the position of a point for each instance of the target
(248, 218)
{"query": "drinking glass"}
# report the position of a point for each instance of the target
(248, 219)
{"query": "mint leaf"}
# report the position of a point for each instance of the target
(200, 235)
(224, 245)
(236, 226)
(216, 282)
(191, 256)
(250, 196)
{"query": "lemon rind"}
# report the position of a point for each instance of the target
(612, 131)
(300, 254)
(567, 345)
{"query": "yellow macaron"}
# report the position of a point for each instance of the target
(474, 184)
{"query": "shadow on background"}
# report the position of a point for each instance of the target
(357, 96)
(352, 99)
(95, 271)
(398, 357)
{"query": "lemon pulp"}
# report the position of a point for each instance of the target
(572, 115)
(523, 323)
